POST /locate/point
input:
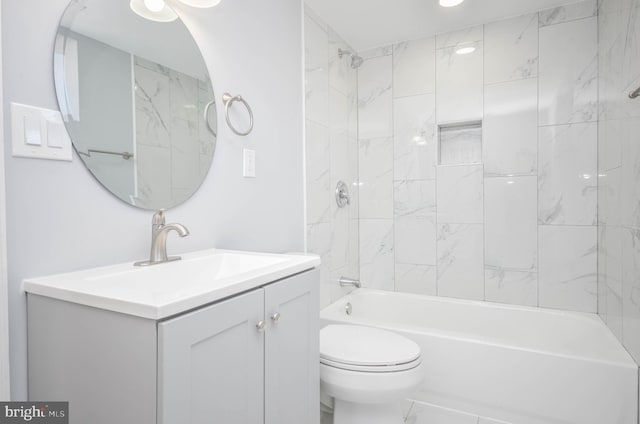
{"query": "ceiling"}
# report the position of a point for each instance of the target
(365, 24)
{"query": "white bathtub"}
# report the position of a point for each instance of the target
(517, 364)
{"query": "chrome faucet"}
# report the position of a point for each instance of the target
(159, 233)
(345, 282)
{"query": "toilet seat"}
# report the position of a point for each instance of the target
(371, 368)
(367, 349)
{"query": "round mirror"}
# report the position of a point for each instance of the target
(136, 98)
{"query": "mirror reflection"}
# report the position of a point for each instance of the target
(133, 93)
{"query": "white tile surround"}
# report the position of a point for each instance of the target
(618, 167)
(331, 154)
(480, 231)
(520, 227)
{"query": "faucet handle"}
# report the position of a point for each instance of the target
(158, 218)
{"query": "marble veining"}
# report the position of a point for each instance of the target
(513, 287)
(568, 73)
(631, 291)
(415, 140)
(511, 49)
(631, 64)
(376, 52)
(489, 230)
(453, 38)
(414, 67)
(338, 136)
(376, 178)
(630, 174)
(316, 72)
(610, 151)
(153, 182)
(153, 108)
(319, 242)
(460, 270)
(339, 69)
(318, 173)
(571, 12)
(169, 128)
(415, 222)
(332, 151)
(567, 177)
(610, 200)
(619, 172)
(377, 253)
(568, 267)
(375, 104)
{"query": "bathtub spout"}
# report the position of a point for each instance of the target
(344, 282)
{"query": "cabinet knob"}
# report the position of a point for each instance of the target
(261, 325)
(275, 317)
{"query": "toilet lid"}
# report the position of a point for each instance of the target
(365, 346)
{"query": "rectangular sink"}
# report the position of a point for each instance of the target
(166, 289)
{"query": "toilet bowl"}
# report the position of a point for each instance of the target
(367, 371)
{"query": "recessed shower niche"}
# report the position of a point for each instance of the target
(460, 143)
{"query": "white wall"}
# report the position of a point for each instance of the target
(59, 219)
(4, 313)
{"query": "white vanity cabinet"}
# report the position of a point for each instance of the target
(251, 358)
(253, 355)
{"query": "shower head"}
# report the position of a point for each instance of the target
(356, 60)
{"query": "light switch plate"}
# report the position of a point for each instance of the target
(26, 120)
(248, 163)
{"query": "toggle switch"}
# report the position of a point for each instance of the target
(55, 134)
(32, 133)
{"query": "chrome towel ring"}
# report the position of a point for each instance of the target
(228, 100)
(206, 117)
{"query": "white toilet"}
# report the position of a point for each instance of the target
(367, 371)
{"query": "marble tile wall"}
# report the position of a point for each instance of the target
(520, 226)
(172, 133)
(618, 171)
(331, 149)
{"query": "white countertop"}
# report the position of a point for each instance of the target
(166, 289)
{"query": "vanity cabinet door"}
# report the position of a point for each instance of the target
(211, 364)
(291, 351)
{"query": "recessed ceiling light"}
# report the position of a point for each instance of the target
(465, 50)
(450, 3)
